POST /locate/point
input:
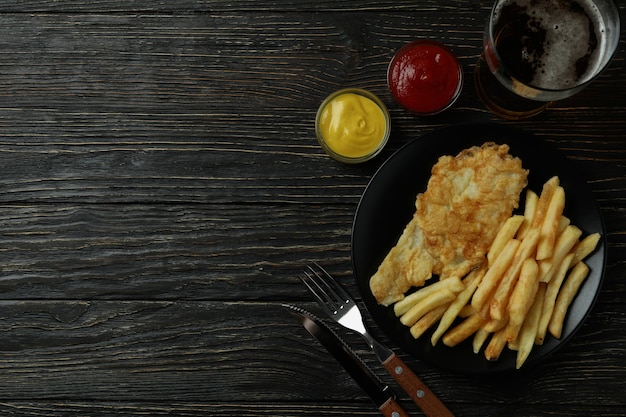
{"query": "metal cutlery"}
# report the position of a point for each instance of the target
(339, 305)
(378, 392)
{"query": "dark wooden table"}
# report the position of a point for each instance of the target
(161, 187)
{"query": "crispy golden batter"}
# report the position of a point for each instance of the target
(408, 264)
(467, 199)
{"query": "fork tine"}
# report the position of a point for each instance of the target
(327, 291)
(338, 290)
(316, 290)
(324, 285)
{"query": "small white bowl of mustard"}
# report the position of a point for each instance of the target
(352, 125)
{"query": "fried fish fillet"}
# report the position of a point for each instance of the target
(467, 200)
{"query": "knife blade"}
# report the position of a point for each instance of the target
(378, 392)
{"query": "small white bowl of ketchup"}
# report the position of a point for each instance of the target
(425, 77)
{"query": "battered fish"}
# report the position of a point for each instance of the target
(467, 200)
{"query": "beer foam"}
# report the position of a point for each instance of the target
(569, 38)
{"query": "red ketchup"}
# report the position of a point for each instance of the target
(425, 77)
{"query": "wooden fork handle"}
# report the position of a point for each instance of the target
(417, 390)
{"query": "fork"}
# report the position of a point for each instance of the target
(339, 305)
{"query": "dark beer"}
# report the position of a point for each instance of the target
(550, 45)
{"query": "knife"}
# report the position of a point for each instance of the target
(378, 392)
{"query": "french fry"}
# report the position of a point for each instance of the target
(494, 274)
(530, 206)
(562, 247)
(467, 311)
(436, 299)
(544, 201)
(544, 267)
(513, 344)
(550, 296)
(428, 320)
(563, 223)
(471, 283)
(453, 284)
(526, 337)
(569, 290)
(550, 224)
(463, 330)
(522, 298)
(504, 235)
(493, 325)
(495, 346)
(480, 337)
(484, 311)
(503, 292)
(584, 248)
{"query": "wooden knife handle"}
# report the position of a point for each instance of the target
(417, 390)
(392, 409)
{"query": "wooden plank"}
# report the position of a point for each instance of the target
(191, 251)
(164, 251)
(292, 409)
(227, 172)
(174, 352)
(262, 409)
(107, 6)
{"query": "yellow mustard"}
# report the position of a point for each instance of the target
(352, 125)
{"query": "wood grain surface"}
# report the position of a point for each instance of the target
(161, 188)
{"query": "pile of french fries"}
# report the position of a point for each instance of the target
(522, 291)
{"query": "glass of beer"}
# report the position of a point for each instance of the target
(540, 51)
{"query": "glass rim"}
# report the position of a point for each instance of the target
(532, 89)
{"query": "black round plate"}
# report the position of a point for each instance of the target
(387, 205)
